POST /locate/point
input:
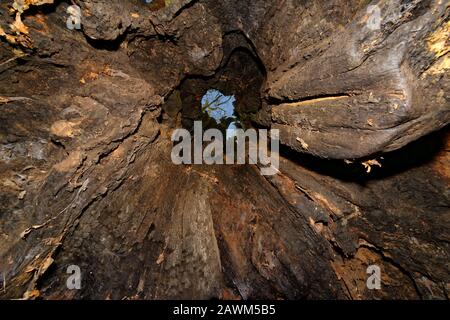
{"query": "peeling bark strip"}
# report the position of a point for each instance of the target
(87, 183)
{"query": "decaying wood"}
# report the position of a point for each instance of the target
(86, 178)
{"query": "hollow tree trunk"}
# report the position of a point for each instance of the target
(86, 178)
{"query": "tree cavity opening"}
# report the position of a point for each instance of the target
(220, 108)
(230, 99)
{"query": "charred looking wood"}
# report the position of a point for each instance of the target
(358, 91)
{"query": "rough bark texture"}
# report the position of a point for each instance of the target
(86, 178)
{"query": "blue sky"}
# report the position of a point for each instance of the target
(228, 108)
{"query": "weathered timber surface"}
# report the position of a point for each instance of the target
(85, 172)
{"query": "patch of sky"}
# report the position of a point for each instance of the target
(221, 108)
